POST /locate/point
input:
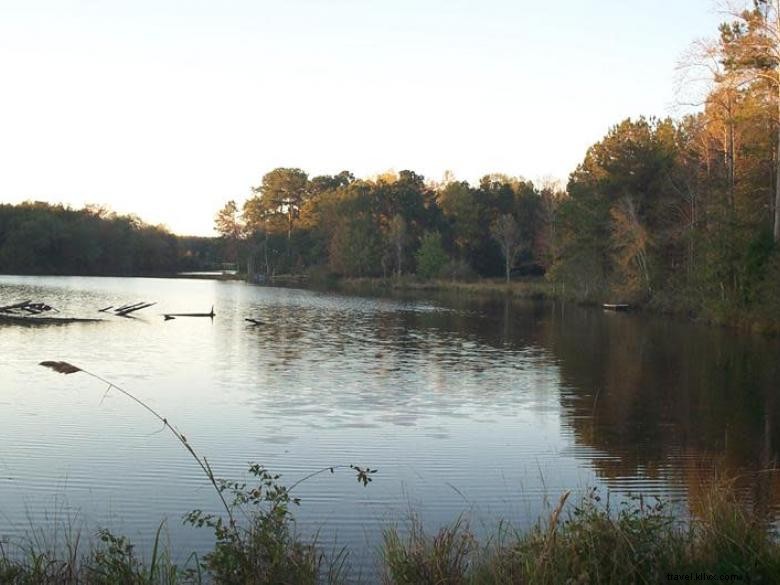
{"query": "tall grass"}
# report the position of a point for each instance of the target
(588, 542)
(111, 560)
(638, 542)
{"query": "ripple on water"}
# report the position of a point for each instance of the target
(487, 408)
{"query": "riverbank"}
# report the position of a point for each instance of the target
(587, 542)
(534, 288)
(538, 288)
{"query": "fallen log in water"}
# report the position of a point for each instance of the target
(37, 320)
(171, 316)
(124, 311)
(30, 312)
(27, 307)
(9, 308)
(254, 321)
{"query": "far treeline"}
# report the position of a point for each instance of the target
(40, 238)
(677, 214)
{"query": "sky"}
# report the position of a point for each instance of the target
(168, 109)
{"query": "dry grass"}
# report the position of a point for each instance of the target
(594, 543)
(526, 288)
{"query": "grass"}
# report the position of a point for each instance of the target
(111, 560)
(588, 542)
(523, 288)
(594, 543)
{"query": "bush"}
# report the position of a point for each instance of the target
(431, 256)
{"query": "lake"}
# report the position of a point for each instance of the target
(490, 408)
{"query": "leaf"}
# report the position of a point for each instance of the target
(61, 367)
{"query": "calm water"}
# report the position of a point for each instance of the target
(489, 408)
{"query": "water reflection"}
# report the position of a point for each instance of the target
(508, 402)
(667, 399)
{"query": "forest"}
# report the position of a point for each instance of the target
(677, 214)
(40, 238)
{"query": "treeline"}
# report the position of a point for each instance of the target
(679, 214)
(39, 238)
(390, 225)
(685, 214)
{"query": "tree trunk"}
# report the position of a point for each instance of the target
(507, 265)
(776, 230)
(265, 254)
(730, 160)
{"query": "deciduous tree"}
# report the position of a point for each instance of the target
(507, 233)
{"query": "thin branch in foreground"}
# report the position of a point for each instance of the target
(62, 367)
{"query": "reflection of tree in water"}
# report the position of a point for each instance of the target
(645, 398)
(418, 332)
(405, 360)
(661, 397)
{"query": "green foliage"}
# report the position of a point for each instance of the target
(616, 202)
(431, 257)
(354, 239)
(374, 227)
(112, 560)
(38, 238)
(759, 252)
(266, 549)
(280, 197)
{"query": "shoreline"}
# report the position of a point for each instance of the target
(535, 288)
(539, 289)
(581, 538)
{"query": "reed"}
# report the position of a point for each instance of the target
(109, 561)
(639, 542)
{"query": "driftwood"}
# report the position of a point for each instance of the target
(27, 307)
(9, 308)
(29, 312)
(129, 306)
(37, 308)
(171, 316)
(126, 310)
(254, 321)
(35, 320)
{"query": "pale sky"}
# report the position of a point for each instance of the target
(168, 108)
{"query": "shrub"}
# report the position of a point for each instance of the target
(431, 256)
